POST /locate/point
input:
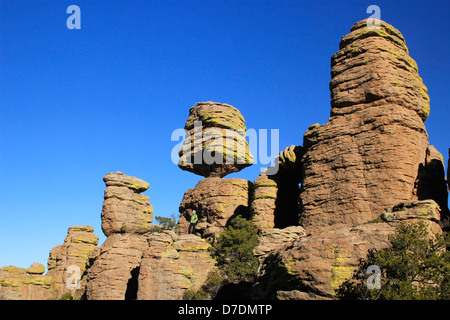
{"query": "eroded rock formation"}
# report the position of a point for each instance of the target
(363, 171)
(215, 143)
(367, 157)
(16, 284)
(126, 216)
(173, 264)
(125, 209)
(331, 200)
(314, 266)
(71, 259)
(275, 197)
(215, 200)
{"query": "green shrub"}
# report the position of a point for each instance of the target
(414, 267)
(165, 223)
(233, 250)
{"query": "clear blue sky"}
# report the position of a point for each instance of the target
(77, 104)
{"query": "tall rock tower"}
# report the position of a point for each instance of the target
(367, 157)
(370, 163)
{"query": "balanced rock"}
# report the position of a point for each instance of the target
(173, 264)
(215, 200)
(366, 158)
(125, 209)
(36, 268)
(215, 143)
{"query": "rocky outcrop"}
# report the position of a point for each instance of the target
(70, 260)
(114, 274)
(363, 172)
(16, 284)
(275, 197)
(215, 143)
(67, 264)
(315, 265)
(215, 200)
(263, 203)
(366, 158)
(173, 264)
(272, 240)
(431, 183)
(36, 268)
(126, 216)
(125, 209)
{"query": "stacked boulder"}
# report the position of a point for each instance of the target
(215, 143)
(214, 147)
(126, 217)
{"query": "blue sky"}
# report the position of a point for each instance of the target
(77, 104)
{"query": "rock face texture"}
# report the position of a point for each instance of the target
(363, 173)
(173, 264)
(114, 273)
(431, 183)
(215, 200)
(263, 203)
(315, 265)
(367, 157)
(125, 210)
(126, 216)
(275, 197)
(215, 143)
(71, 259)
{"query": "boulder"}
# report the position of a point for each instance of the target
(215, 143)
(215, 200)
(173, 264)
(125, 209)
(275, 239)
(36, 268)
